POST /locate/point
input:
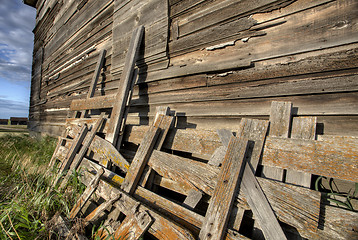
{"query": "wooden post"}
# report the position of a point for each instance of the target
(217, 215)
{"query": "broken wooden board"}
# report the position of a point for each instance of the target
(140, 160)
(134, 226)
(86, 194)
(331, 159)
(222, 199)
(162, 228)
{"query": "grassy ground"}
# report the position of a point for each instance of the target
(25, 206)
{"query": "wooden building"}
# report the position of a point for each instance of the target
(212, 62)
(4, 121)
(18, 120)
(217, 64)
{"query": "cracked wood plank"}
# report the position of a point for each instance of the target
(222, 199)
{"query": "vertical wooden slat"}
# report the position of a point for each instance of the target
(124, 87)
(280, 123)
(217, 215)
(302, 128)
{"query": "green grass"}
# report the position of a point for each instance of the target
(25, 206)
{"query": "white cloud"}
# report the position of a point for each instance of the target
(11, 108)
(16, 40)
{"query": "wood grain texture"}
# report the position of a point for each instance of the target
(217, 215)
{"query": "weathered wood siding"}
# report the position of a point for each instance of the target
(212, 62)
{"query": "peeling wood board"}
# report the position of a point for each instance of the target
(217, 215)
(162, 228)
(140, 160)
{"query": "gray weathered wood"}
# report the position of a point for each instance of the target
(217, 215)
(280, 124)
(302, 128)
(193, 199)
(260, 206)
(125, 84)
(86, 194)
(140, 160)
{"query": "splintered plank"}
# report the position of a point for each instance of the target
(162, 228)
(280, 123)
(218, 212)
(140, 160)
(260, 206)
(86, 143)
(118, 110)
(99, 102)
(325, 158)
(134, 226)
(302, 128)
(86, 194)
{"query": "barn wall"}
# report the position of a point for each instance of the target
(213, 62)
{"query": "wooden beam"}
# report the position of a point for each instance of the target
(260, 206)
(140, 160)
(125, 85)
(99, 102)
(218, 212)
(96, 74)
(325, 158)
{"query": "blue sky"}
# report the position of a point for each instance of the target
(17, 21)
